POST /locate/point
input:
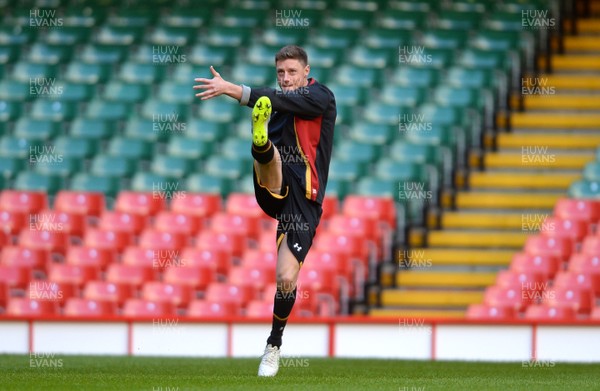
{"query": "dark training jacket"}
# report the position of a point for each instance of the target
(301, 127)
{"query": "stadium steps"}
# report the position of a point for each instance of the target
(511, 160)
(481, 220)
(522, 173)
(470, 257)
(417, 314)
(408, 313)
(517, 179)
(430, 298)
(447, 279)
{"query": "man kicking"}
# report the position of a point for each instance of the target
(292, 139)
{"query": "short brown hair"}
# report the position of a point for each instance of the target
(292, 51)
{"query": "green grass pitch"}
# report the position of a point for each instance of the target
(64, 372)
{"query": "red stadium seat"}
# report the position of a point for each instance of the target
(319, 278)
(145, 308)
(570, 228)
(234, 244)
(255, 277)
(218, 259)
(52, 241)
(380, 208)
(553, 246)
(235, 224)
(336, 261)
(591, 245)
(19, 306)
(196, 277)
(579, 281)
(23, 201)
(15, 276)
(259, 309)
(360, 228)
(204, 308)
(12, 222)
(108, 291)
(197, 204)
(131, 275)
(177, 222)
(122, 221)
(107, 239)
(355, 226)
(162, 292)
(490, 312)
(72, 274)
(246, 205)
(355, 247)
(526, 280)
(266, 260)
(99, 258)
(24, 257)
(142, 203)
(4, 239)
(229, 293)
(52, 220)
(266, 241)
(88, 308)
(576, 298)
(545, 265)
(568, 208)
(548, 312)
(505, 297)
(331, 207)
(586, 264)
(80, 202)
(159, 240)
(149, 258)
(50, 290)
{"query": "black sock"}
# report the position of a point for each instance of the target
(263, 154)
(284, 302)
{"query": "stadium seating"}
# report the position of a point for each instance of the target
(125, 190)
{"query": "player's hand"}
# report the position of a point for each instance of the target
(214, 87)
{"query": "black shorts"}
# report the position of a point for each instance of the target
(297, 216)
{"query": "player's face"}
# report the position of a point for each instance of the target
(291, 74)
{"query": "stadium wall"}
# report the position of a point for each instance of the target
(415, 339)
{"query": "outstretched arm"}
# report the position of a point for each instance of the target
(217, 86)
